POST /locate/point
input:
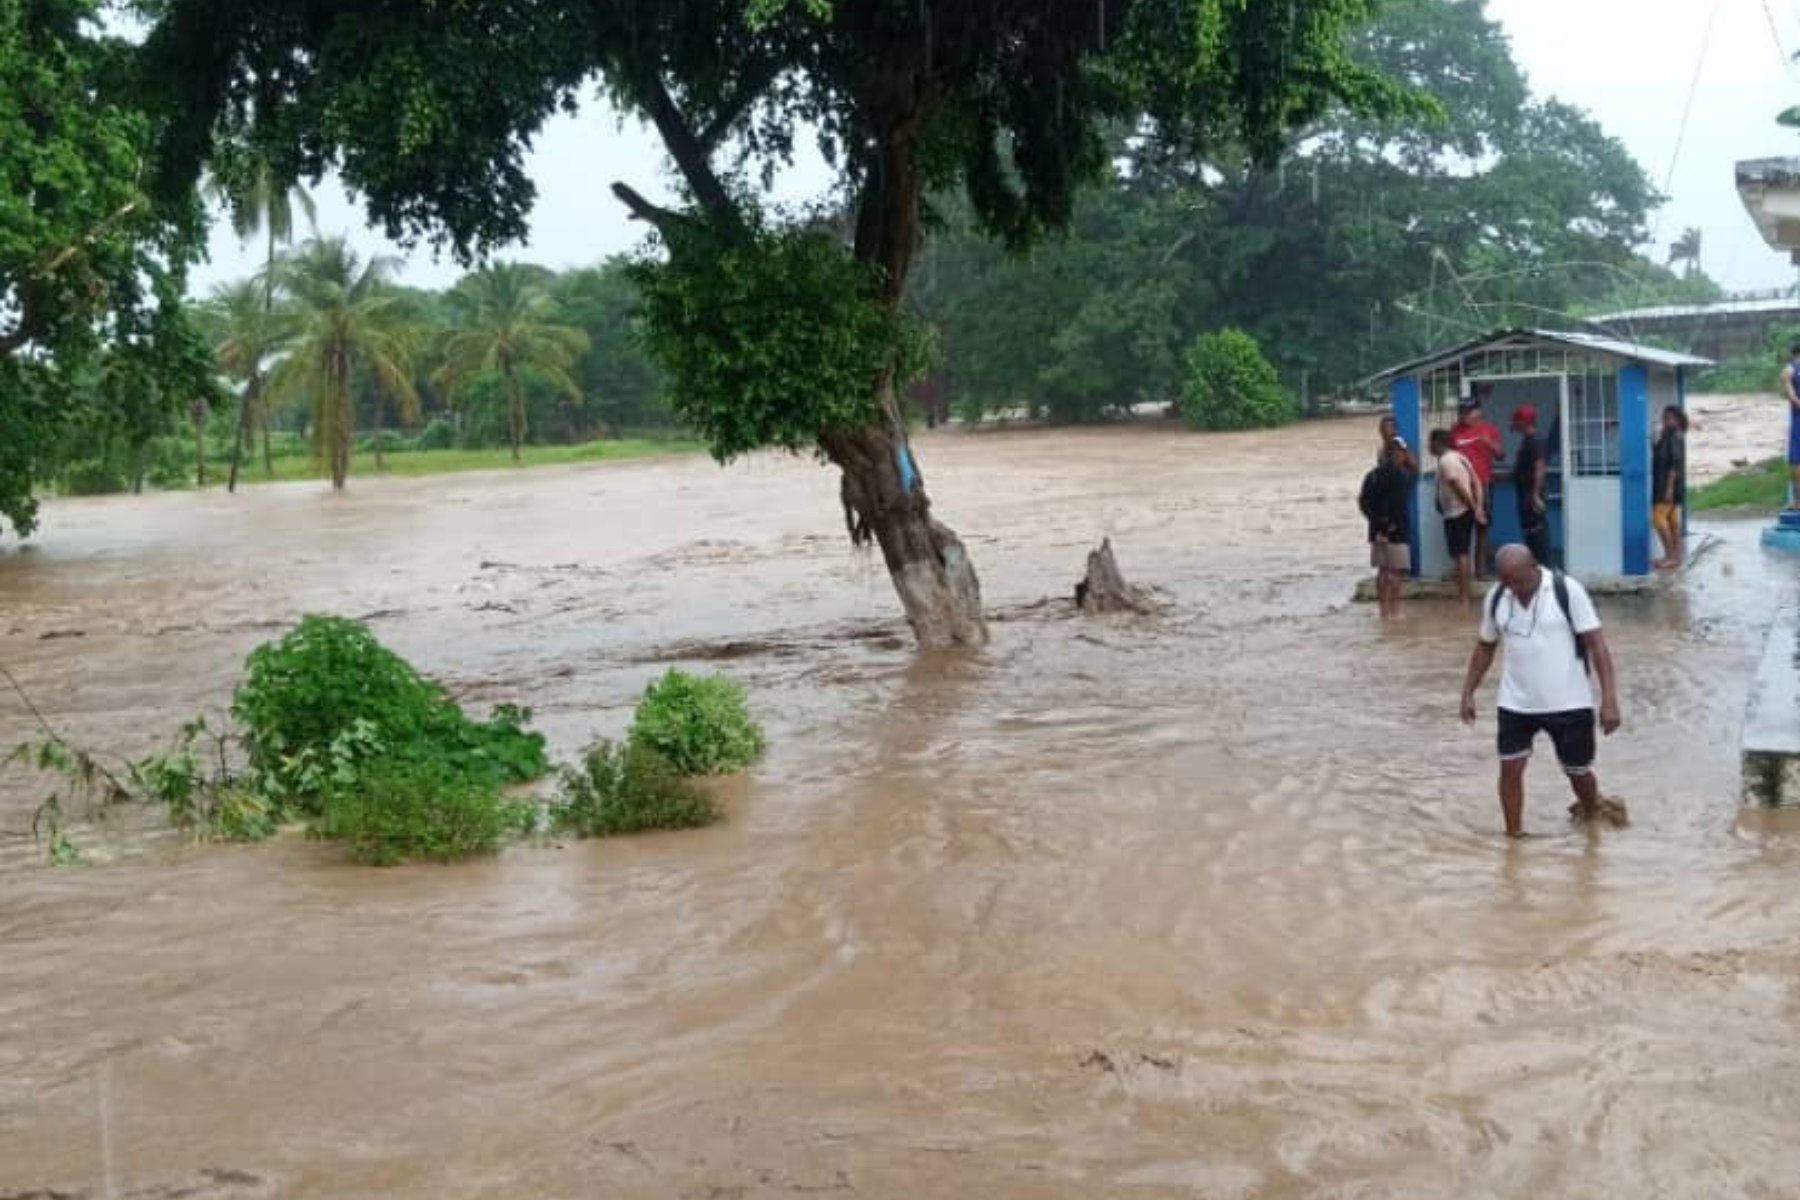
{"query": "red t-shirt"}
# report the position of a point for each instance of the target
(1471, 441)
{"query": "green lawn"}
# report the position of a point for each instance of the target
(440, 462)
(1763, 486)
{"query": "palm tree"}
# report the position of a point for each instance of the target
(344, 317)
(245, 334)
(258, 203)
(1686, 249)
(503, 321)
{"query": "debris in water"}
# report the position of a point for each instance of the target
(1104, 589)
(1612, 810)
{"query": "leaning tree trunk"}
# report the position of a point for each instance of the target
(885, 503)
(882, 489)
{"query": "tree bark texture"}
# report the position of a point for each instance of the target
(885, 503)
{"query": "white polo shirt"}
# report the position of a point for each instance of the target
(1542, 673)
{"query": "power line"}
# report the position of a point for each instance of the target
(1681, 128)
(1687, 108)
(1787, 61)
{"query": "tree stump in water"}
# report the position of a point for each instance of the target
(1104, 589)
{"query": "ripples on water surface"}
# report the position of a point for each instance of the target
(1208, 906)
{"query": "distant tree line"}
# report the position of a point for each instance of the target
(324, 354)
(1371, 240)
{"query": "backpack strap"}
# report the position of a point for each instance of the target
(1559, 587)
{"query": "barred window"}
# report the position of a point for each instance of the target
(1594, 423)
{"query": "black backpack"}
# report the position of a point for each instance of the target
(1559, 588)
(1365, 499)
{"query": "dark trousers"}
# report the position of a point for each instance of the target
(1537, 536)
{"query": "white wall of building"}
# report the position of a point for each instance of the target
(1593, 544)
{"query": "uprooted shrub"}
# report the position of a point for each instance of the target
(627, 788)
(700, 724)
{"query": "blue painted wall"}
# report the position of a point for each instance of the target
(1634, 468)
(1407, 418)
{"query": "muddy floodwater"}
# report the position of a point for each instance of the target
(1211, 905)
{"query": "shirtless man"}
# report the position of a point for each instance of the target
(1459, 498)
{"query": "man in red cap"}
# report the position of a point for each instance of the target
(1529, 472)
(1479, 440)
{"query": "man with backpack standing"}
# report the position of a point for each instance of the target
(1553, 638)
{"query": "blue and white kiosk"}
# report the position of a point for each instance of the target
(1598, 403)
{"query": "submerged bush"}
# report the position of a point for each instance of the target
(700, 724)
(203, 793)
(628, 788)
(306, 695)
(1231, 385)
(405, 809)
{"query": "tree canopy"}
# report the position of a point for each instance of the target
(1372, 237)
(91, 262)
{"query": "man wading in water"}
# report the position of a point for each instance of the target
(1552, 637)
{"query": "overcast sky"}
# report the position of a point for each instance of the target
(1628, 62)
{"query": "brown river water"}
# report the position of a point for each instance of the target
(1207, 905)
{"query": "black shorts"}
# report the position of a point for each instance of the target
(1572, 733)
(1459, 534)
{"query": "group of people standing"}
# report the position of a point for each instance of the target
(1555, 647)
(1554, 639)
(1465, 456)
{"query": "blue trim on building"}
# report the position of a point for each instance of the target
(1634, 468)
(1409, 421)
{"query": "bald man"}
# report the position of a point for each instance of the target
(1553, 637)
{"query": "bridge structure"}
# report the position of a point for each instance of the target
(1722, 330)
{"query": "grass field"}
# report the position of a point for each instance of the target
(1763, 486)
(441, 462)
